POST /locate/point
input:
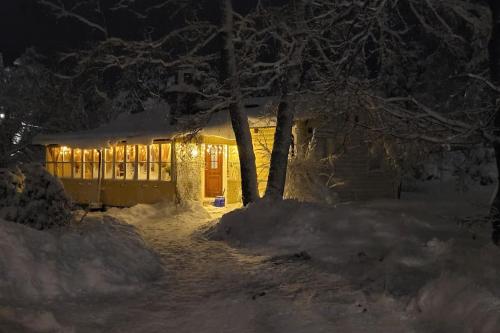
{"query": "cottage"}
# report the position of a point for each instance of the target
(144, 158)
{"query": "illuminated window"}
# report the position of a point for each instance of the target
(96, 164)
(77, 163)
(66, 162)
(130, 167)
(165, 159)
(88, 163)
(142, 158)
(108, 163)
(52, 157)
(154, 161)
(119, 162)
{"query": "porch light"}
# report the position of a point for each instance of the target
(2, 115)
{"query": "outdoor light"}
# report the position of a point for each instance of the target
(194, 152)
(2, 115)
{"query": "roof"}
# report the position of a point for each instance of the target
(155, 123)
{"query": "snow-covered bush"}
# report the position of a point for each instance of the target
(33, 197)
(99, 256)
(310, 179)
(465, 167)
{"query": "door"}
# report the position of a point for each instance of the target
(213, 170)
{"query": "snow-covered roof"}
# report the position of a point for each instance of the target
(155, 123)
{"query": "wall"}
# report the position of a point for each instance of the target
(119, 192)
(189, 167)
(263, 141)
(350, 164)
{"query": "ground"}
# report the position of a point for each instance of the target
(211, 286)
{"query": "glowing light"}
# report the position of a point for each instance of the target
(194, 152)
(2, 115)
(64, 150)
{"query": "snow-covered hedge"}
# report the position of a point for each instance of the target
(98, 256)
(33, 197)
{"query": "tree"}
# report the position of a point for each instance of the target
(239, 119)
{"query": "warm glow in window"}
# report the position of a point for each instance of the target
(119, 162)
(108, 163)
(165, 165)
(88, 163)
(130, 167)
(142, 158)
(77, 163)
(154, 161)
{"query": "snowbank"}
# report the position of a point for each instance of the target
(33, 197)
(98, 256)
(415, 252)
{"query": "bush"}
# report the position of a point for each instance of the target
(33, 197)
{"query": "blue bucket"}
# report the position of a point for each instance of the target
(220, 201)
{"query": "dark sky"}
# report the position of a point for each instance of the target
(24, 23)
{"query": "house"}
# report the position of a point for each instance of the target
(144, 158)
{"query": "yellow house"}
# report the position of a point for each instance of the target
(144, 158)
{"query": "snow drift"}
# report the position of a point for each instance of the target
(411, 251)
(98, 256)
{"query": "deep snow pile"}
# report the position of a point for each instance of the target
(411, 251)
(33, 197)
(98, 256)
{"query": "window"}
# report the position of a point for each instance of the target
(119, 162)
(88, 163)
(154, 161)
(96, 164)
(108, 163)
(66, 162)
(131, 162)
(77, 163)
(142, 159)
(214, 161)
(130, 167)
(165, 165)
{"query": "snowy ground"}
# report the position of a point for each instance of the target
(362, 280)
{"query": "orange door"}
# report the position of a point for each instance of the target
(213, 170)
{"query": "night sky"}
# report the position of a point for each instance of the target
(24, 23)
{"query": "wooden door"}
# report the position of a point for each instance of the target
(213, 170)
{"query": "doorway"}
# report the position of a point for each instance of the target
(213, 170)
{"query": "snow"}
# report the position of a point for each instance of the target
(33, 197)
(408, 251)
(98, 256)
(415, 265)
(155, 123)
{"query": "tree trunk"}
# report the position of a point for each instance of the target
(279, 157)
(239, 119)
(494, 59)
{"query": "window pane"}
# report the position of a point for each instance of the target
(77, 163)
(50, 168)
(96, 164)
(165, 172)
(142, 152)
(87, 163)
(154, 159)
(66, 170)
(119, 159)
(165, 152)
(65, 154)
(130, 162)
(59, 169)
(108, 163)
